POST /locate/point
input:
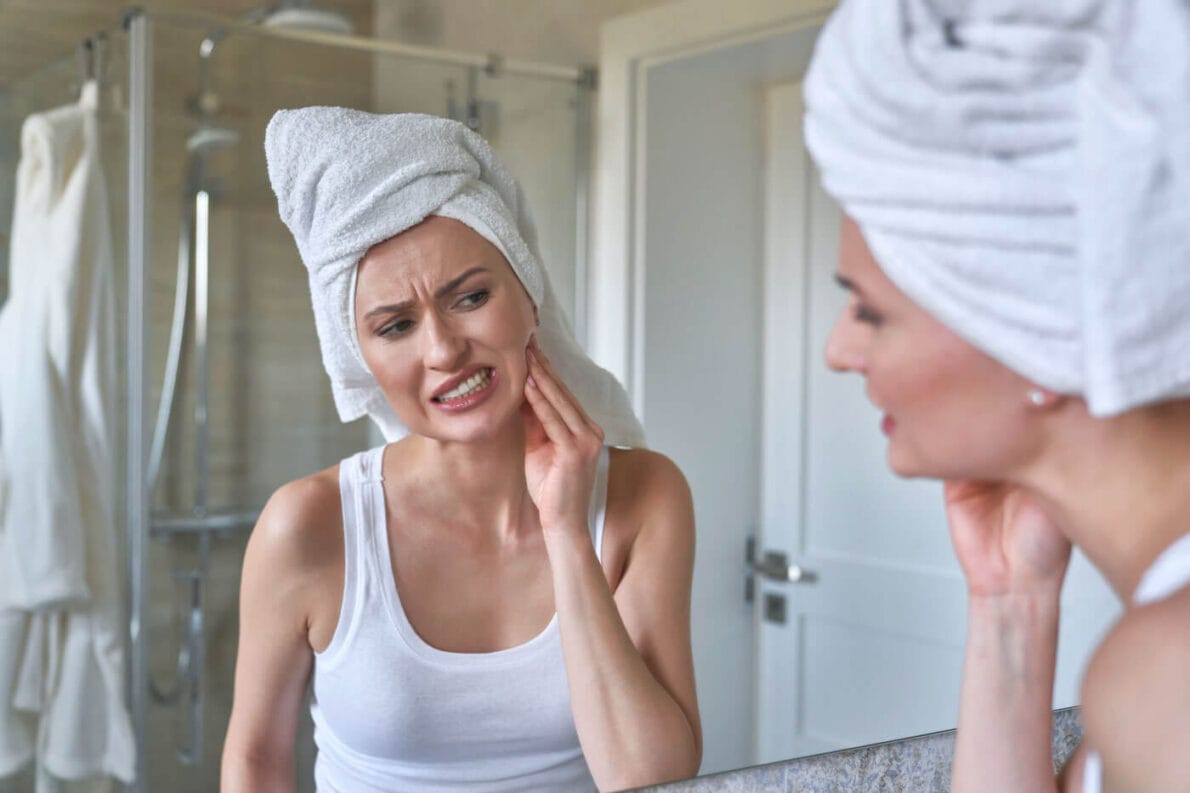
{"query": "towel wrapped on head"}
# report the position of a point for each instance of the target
(1022, 171)
(346, 180)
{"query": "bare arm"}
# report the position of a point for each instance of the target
(628, 658)
(1003, 740)
(283, 565)
(1014, 560)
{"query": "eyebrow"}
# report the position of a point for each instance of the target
(445, 289)
(848, 284)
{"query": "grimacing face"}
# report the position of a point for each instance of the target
(950, 410)
(443, 323)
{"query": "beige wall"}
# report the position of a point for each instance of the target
(271, 414)
(529, 121)
(555, 31)
(35, 32)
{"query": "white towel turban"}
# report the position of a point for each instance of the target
(346, 180)
(1021, 169)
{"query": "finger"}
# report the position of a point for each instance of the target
(592, 426)
(549, 418)
(536, 351)
(559, 397)
(544, 361)
(535, 434)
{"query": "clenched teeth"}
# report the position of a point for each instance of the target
(467, 387)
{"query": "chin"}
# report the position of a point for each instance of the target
(480, 425)
(910, 466)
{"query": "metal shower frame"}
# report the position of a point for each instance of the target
(139, 24)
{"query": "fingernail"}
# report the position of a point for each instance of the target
(531, 382)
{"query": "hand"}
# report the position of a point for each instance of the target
(562, 447)
(1005, 542)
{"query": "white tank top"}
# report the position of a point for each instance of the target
(392, 713)
(1167, 575)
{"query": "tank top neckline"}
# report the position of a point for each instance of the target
(392, 598)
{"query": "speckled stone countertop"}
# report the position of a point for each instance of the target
(914, 765)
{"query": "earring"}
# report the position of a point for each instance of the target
(1037, 397)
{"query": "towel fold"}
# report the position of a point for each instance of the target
(346, 180)
(1022, 171)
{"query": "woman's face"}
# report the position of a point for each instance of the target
(950, 411)
(443, 324)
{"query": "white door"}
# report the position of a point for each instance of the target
(868, 645)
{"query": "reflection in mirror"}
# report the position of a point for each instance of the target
(233, 398)
(829, 610)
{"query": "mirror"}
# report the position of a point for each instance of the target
(829, 611)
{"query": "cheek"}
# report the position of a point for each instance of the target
(392, 367)
(507, 328)
(902, 372)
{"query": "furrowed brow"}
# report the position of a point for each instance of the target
(445, 289)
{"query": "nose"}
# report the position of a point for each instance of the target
(844, 347)
(444, 346)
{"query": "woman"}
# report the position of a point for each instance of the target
(1016, 178)
(412, 582)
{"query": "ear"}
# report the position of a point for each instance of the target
(1042, 399)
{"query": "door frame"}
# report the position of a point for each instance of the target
(630, 46)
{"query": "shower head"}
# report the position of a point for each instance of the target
(305, 15)
(208, 138)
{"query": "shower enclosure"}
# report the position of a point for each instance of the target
(223, 394)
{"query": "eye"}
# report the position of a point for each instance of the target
(474, 299)
(397, 328)
(864, 314)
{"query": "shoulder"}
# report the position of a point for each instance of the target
(1136, 697)
(651, 489)
(301, 525)
(643, 477)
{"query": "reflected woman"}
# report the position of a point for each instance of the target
(496, 600)
(1016, 177)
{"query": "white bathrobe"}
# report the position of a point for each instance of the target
(61, 634)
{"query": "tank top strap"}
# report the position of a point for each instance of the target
(359, 478)
(1166, 575)
(598, 512)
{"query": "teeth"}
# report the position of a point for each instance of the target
(468, 386)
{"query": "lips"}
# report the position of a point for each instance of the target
(447, 391)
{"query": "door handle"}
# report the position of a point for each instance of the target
(775, 566)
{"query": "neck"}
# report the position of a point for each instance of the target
(1119, 487)
(477, 486)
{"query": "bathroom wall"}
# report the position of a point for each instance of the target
(530, 122)
(554, 31)
(271, 414)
